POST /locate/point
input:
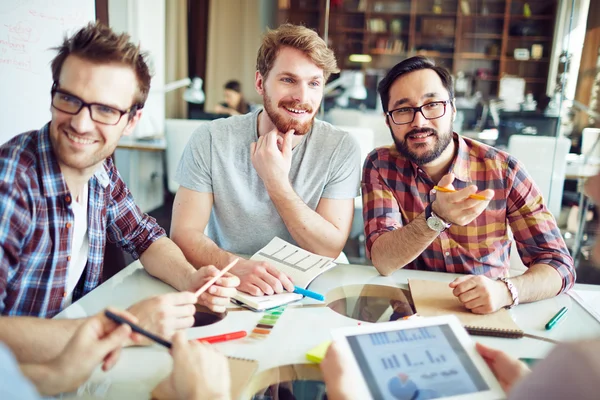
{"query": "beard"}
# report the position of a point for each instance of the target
(82, 160)
(284, 123)
(441, 143)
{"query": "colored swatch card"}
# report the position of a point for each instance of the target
(266, 324)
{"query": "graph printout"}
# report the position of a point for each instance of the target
(418, 364)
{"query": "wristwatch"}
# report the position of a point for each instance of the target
(434, 222)
(513, 292)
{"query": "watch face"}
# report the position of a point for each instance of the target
(436, 224)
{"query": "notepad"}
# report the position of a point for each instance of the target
(317, 354)
(433, 298)
(300, 265)
(261, 303)
(240, 372)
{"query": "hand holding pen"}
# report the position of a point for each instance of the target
(216, 292)
(459, 207)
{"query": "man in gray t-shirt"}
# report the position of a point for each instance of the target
(273, 172)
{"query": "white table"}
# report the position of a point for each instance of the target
(299, 329)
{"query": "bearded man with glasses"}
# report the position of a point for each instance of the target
(462, 227)
(61, 198)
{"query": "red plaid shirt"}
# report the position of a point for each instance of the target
(35, 222)
(395, 191)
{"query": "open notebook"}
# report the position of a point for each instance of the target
(240, 372)
(432, 298)
(300, 265)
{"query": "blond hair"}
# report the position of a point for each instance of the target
(300, 38)
(100, 44)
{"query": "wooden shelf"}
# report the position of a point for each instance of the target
(477, 56)
(533, 17)
(469, 42)
(535, 80)
(428, 35)
(531, 38)
(390, 34)
(300, 10)
(338, 11)
(389, 14)
(488, 78)
(433, 54)
(351, 30)
(432, 14)
(530, 60)
(482, 35)
(495, 16)
(380, 52)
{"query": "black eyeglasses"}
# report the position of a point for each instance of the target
(406, 115)
(70, 104)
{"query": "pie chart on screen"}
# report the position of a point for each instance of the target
(402, 388)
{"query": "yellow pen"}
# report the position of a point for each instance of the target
(472, 196)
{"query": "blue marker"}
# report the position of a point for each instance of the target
(308, 293)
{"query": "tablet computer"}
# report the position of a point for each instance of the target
(419, 359)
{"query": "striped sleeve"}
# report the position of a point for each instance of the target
(534, 228)
(381, 211)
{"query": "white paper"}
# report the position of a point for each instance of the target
(300, 265)
(588, 299)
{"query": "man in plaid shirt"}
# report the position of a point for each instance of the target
(61, 198)
(409, 224)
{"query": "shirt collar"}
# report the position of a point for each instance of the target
(461, 165)
(53, 182)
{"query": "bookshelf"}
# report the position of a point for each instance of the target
(476, 37)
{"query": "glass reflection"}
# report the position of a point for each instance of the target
(204, 316)
(371, 303)
(288, 382)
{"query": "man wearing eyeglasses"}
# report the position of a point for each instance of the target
(409, 224)
(62, 198)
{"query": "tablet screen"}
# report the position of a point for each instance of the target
(416, 364)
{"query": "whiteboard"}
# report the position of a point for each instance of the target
(28, 29)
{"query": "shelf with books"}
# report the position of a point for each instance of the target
(476, 35)
(465, 35)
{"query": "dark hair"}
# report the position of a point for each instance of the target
(234, 85)
(409, 65)
(100, 44)
(243, 107)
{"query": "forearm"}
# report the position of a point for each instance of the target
(200, 250)
(395, 249)
(310, 230)
(165, 261)
(45, 378)
(539, 282)
(37, 340)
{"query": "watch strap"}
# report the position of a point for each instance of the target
(513, 292)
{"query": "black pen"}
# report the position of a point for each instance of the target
(120, 320)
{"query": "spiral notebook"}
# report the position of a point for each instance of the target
(240, 371)
(433, 298)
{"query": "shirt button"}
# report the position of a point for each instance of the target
(68, 225)
(447, 253)
(68, 258)
(68, 199)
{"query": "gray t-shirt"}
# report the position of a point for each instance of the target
(325, 164)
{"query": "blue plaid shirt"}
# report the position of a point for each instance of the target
(36, 226)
